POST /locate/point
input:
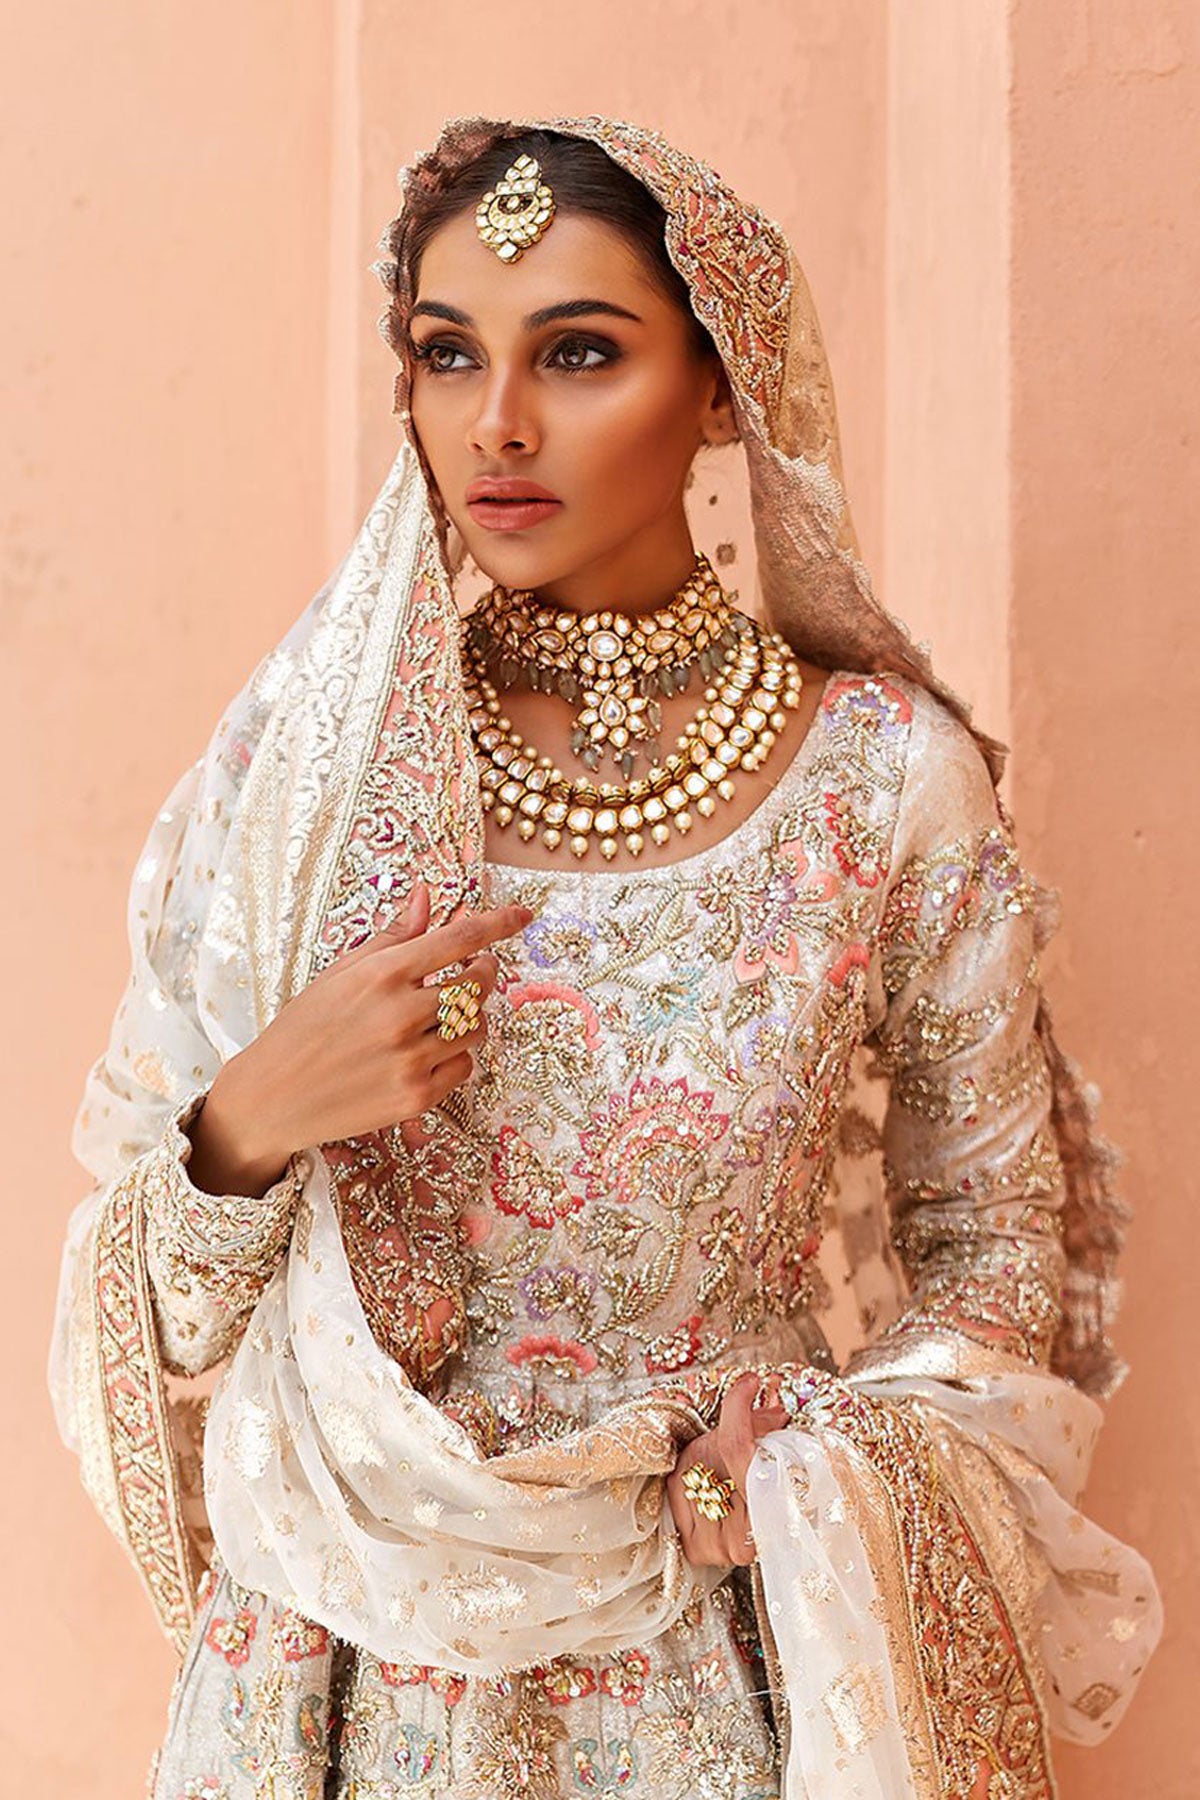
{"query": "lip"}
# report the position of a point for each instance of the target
(506, 487)
(511, 515)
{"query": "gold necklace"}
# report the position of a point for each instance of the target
(615, 660)
(745, 709)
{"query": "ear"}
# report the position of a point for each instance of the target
(717, 422)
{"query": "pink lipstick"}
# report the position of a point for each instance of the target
(501, 503)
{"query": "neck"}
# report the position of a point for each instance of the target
(632, 580)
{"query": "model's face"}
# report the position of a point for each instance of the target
(571, 370)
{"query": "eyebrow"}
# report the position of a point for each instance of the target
(545, 315)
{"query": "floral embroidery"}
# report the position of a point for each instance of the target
(646, 1141)
(709, 1675)
(594, 1775)
(417, 1755)
(709, 1749)
(861, 853)
(869, 704)
(300, 1638)
(446, 1682)
(556, 1356)
(564, 1681)
(524, 1186)
(668, 1002)
(514, 1747)
(560, 937)
(677, 1348)
(547, 1290)
(232, 1638)
(768, 931)
(554, 1028)
(624, 1678)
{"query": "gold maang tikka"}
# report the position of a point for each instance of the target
(516, 212)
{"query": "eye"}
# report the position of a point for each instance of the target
(431, 352)
(571, 349)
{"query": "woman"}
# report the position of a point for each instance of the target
(549, 1455)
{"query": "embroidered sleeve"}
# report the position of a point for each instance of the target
(972, 1170)
(209, 1256)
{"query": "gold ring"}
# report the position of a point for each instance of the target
(458, 1008)
(711, 1494)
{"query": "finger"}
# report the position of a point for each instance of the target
(452, 1072)
(735, 1428)
(409, 923)
(737, 1541)
(463, 937)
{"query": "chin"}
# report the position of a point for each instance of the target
(515, 565)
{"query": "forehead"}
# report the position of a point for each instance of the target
(578, 255)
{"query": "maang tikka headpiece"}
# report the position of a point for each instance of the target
(516, 212)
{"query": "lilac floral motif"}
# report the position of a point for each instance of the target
(869, 702)
(556, 937)
(1000, 871)
(549, 1289)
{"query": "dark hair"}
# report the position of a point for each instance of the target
(585, 179)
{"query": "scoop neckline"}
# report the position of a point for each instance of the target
(762, 814)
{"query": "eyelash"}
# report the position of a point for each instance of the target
(423, 353)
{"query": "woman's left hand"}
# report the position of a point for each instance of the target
(728, 1450)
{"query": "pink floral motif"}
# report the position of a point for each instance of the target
(300, 1638)
(445, 1682)
(647, 1142)
(854, 956)
(624, 1679)
(533, 993)
(232, 1638)
(860, 853)
(563, 1681)
(524, 1187)
(563, 1357)
(675, 1349)
(768, 920)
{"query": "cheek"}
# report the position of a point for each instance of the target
(640, 441)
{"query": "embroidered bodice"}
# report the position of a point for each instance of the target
(641, 1180)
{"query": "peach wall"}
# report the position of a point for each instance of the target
(1105, 646)
(164, 315)
(988, 202)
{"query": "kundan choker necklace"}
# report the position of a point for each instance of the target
(616, 661)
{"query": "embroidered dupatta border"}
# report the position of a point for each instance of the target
(135, 1422)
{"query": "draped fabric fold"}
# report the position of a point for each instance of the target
(935, 1598)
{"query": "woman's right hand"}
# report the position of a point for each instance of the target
(355, 1051)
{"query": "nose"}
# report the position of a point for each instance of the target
(503, 419)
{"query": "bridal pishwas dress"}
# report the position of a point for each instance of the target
(643, 1183)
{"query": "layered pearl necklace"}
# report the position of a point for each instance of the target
(616, 662)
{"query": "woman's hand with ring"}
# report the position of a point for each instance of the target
(727, 1450)
(358, 1049)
